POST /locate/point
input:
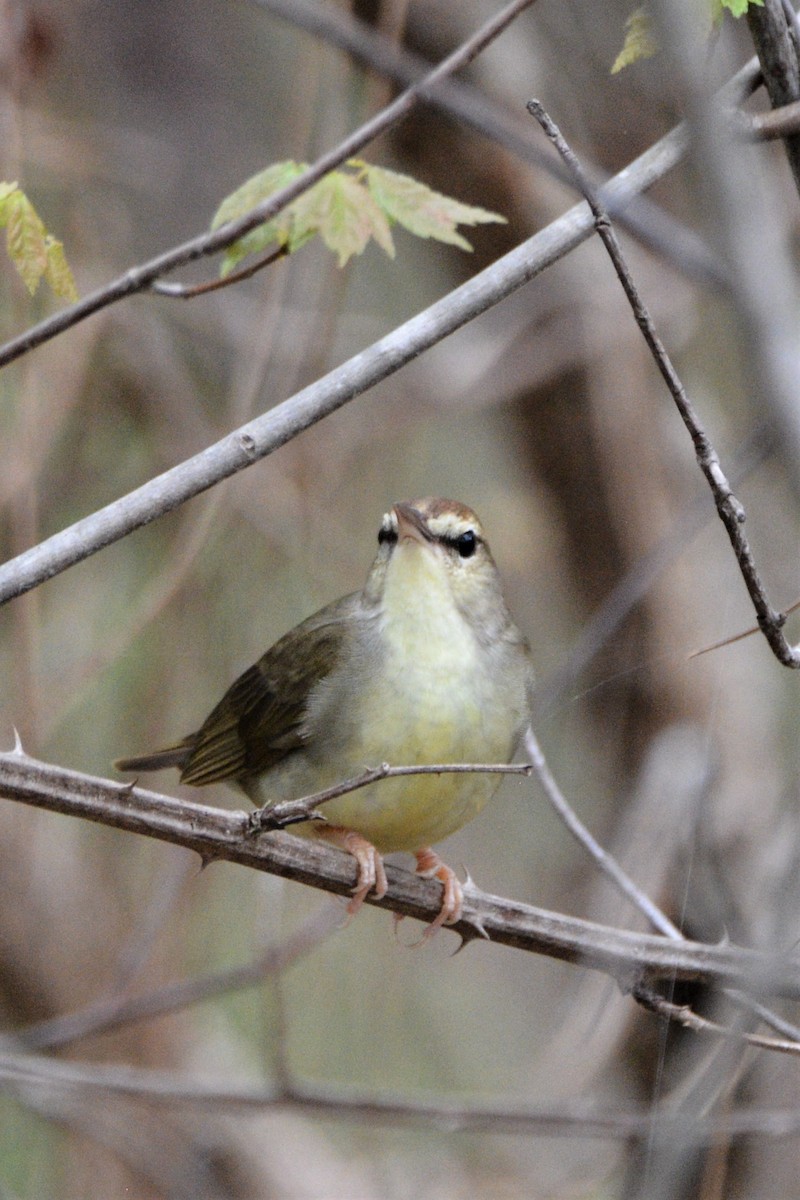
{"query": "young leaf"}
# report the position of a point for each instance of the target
(739, 7)
(259, 187)
(344, 214)
(640, 41)
(6, 189)
(25, 239)
(422, 211)
(33, 251)
(57, 273)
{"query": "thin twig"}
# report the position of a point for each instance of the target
(729, 507)
(115, 1011)
(652, 225)
(685, 1015)
(764, 127)
(25, 1074)
(604, 861)
(609, 866)
(185, 291)
(138, 279)
(292, 812)
(258, 438)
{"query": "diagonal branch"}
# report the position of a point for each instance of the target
(632, 959)
(139, 279)
(730, 509)
(651, 224)
(260, 437)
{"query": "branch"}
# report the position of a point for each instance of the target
(630, 958)
(730, 509)
(258, 438)
(777, 52)
(685, 1015)
(116, 1011)
(746, 219)
(25, 1074)
(652, 225)
(139, 279)
(604, 861)
(305, 808)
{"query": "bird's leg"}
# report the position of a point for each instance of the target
(430, 866)
(371, 875)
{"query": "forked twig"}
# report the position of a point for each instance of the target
(730, 509)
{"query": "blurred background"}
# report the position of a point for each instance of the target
(126, 124)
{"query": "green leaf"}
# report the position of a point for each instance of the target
(640, 41)
(25, 239)
(58, 273)
(739, 7)
(33, 251)
(422, 211)
(344, 214)
(259, 187)
(6, 190)
(256, 189)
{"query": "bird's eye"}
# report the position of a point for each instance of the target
(466, 544)
(386, 534)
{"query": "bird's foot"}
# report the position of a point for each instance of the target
(371, 873)
(431, 866)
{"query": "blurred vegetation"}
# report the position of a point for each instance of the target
(127, 124)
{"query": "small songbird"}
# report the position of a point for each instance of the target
(425, 665)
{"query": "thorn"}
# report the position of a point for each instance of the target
(470, 887)
(474, 931)
(127, 787)
(18, 744)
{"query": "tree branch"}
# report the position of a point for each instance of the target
(730, 509)
(630, 958)
(260, 437)
(22, 1074)
(652, 225)
(140, 278)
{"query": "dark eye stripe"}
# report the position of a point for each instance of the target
(386, 535)
(465, 543)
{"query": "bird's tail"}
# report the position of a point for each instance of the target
(172, 756)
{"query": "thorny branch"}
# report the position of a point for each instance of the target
(630, 958)
(730, 509)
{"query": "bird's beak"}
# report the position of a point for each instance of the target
(410, 524)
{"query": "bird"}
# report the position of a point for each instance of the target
(424, 665)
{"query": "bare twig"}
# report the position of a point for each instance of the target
(138, 279)
(305, 808)
(23, 1075)
(115, 1011)
(601, 858)
(747, 221)
(685, 1015)
(185, 291)
(608, 865)
(630, 958)
(651, 224)
(764, 127)
(776, 44)
(729, 508)
(258, 438)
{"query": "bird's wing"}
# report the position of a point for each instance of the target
(261, 718)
